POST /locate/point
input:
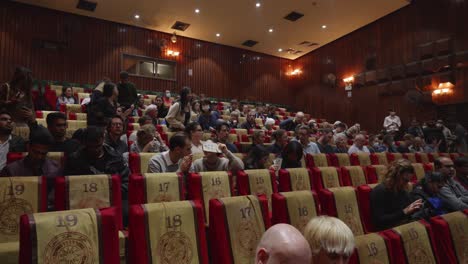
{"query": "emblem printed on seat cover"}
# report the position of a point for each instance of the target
(10, 212)
(69, 247)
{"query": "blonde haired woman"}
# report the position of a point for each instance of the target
(330, 240)
(391, 203)
(148, 140)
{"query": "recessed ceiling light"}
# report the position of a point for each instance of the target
(137, 16)
(324, 26)
(218, 35)
(270, 30)
(197, 10)
(258, 4)
(280, 50)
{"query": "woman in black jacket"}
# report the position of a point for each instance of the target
(391, 203)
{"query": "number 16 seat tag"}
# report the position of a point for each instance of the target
(215, 185)
(89, 191)
(65, 235)
(371, 248)
(172, 229)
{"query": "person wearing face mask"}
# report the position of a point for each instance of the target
(167, 98)
(179, 113)
(391, 203)
(213, 160)
(207, 119)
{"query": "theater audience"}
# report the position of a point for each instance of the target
(222, 136)
(432, 145)
(212, 161)
(141, 103)
(16, 97)
(330, 240)
(66, 97)
(431, 132)
(283, 244)
(449, 138)
(167, 98)
(271, 112)
(359, 145)
(323, 142)
(417, 146)
(127, 92)
(292, 155)
(260, 112)
(195, 133)
(245, 111)
(461, 167)
(144, 120)
(389, 144)
(302, 134)
(177, 159)
(415, 129)
(234, 121)
(196, 110)
(291, 124)
(8, 141)
(57, 125)
(250, 122)
(258, 138)
(148, 140)
(234, 106)
(179, 113)
(427, 190)
(341, 144)
(392, 122)
(208, 118)
(405, 144)
(115, 130)
(375, 144)
(390, 201)
(268, 125)
(453, 194)
(162, 109)
(102, 109)
(256, 158)
(461, 134)
(340, 129)
(152, 112)
(280, 140)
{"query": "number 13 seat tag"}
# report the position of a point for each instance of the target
(67, 235)
(215, 184)
(163, 187)
(172, 228)
(88, 191)
(18, 196)
(371, 248)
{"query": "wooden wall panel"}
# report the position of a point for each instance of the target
(392, 40)
(94, 49)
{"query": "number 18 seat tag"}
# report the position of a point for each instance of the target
(89, 191)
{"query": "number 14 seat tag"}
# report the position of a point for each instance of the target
(67, 234)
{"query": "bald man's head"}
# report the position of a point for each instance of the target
(284, 244)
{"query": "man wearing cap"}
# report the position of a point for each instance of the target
(453, 194)
(213, 161)
(392, 122)
(427, 189)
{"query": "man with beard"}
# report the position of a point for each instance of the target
(8, 142)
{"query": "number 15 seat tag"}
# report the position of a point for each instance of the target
(371, 248)
(172, 228)
(64, 235)
(88, 191)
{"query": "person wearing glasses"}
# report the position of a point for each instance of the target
(453, 194)
(115, 130)
(195, 134)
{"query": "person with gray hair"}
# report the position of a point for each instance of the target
(330, 240)
(284, 244)
(152, 112)
(291, 124)
(358, 146)
(341, 141)
(250, 122)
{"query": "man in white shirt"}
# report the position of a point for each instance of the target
(392, 123)
(309, 147)
(8, 142)
(358, 146)
(177, 158)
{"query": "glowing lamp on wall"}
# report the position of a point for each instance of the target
(172, 53)
(296, 72)
(348, 83)
(443, 89)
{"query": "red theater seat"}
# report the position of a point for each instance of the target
(360, 159)
(257, 182)
(375, 173)
(372, 248)
(84, 236)
(168, 232)
(423, 158)
(340, 159)
(236, 226)
(363, 197)
(89, 191)
(379, 158)
(394, 156)
(317, 160)
(326, 177)
(354, 176)
(156, 187)
(295, 208)
(298, 179)
(138, 162)
(411, 157)
(450, 231)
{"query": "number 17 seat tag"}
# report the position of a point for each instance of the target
(89, 191)
(67, 234)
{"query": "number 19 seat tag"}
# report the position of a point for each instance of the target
(67, 235)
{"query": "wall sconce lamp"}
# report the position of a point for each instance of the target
(172, 53)
(444, 88)
(294, 73)
(348, 83)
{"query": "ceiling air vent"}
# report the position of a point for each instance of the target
(313, 44)
(86, 5)
(307, 43)
(180, 26)
(297, 52)
(250, 43)
(290, 51)
(293, 16)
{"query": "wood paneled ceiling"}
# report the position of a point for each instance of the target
(237, 21)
